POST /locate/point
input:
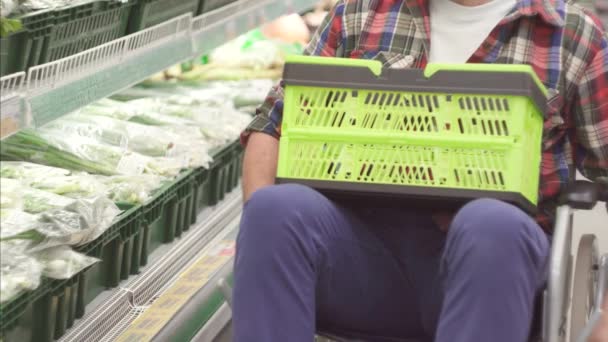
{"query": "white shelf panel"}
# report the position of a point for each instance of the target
(52, 90)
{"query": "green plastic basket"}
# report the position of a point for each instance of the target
(449, 132)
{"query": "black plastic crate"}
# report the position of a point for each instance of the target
(22, 49)
(210, 5)
(168, 213)
(82, 27)
(148, 13)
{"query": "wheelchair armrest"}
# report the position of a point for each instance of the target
(584, 195)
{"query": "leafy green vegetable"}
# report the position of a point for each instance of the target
(29, 145)
(8, 26)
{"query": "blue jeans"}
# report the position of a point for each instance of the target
(305, 263)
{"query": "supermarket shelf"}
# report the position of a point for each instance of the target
(218, 328)
(191, 301)
(51, 90)
(215, 28)
(119, 308)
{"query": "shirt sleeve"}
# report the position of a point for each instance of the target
(325, 42)
(591, 118)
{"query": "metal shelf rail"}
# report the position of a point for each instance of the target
(51, 90)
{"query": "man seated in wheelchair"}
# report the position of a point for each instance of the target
(309, 262)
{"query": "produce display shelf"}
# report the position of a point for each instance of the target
(45, 313)
(209, 239)
(54, 89)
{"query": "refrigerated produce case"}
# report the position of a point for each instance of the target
(188, 221)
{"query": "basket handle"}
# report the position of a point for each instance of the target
(373, 65)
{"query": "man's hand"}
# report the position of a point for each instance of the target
(260, 163)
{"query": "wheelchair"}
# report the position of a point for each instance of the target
(576, 286)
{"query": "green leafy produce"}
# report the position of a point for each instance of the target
(37, 201)
(29, 145)
(8, 26)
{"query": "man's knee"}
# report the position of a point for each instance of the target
(275, 212)
(496, 226)
(280, 197)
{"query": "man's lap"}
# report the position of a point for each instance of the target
(379, 268)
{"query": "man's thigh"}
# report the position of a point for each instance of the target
(381, 276)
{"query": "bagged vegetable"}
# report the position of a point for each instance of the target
(77, 153)
(18, 272)
(37, 201)
(32, 146)
(15, 221)
(75, 186)
(79, 223)
(26, 171)
(128, 189)
(136, 137)
(62, 262)
(10, 194)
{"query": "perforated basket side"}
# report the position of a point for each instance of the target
(365, 112)
(454, 167)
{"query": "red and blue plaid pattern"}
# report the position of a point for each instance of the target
(566, 46)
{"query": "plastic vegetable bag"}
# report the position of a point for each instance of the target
(10, 194)
(18, 272)
(218, 124)
(79, 223)
(77, 153)
(15, 221)
(62, 262)
(37, 201)
(137, 137)
(74, 186)
(55, 180)
(128, 189)
(25, 170)
(32, 146)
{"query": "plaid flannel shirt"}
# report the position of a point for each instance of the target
(565, 45)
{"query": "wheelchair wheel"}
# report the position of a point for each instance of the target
(584, 284)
